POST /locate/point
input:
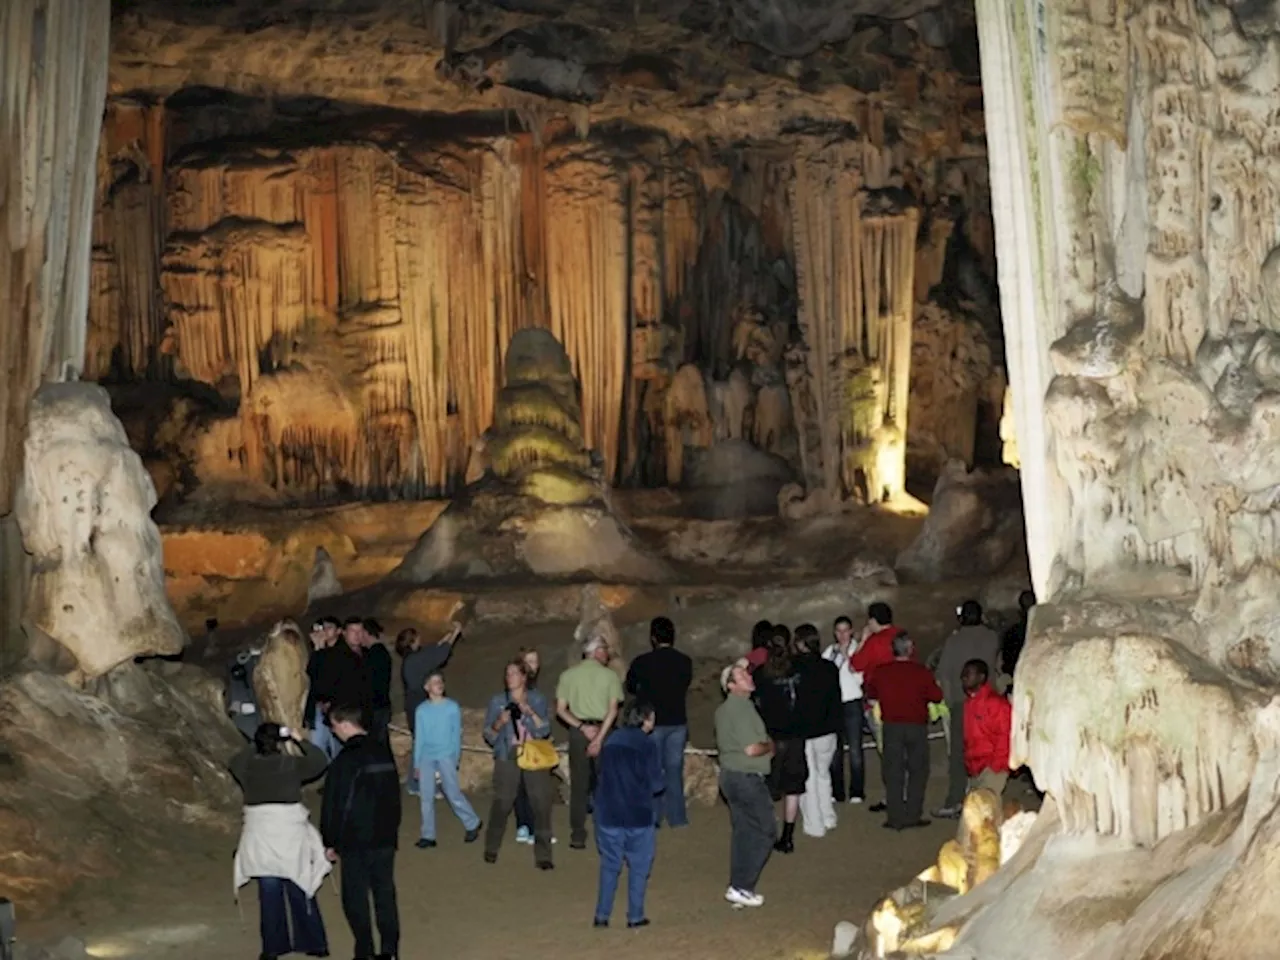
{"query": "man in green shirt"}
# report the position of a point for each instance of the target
(745, 751)
(587, 699)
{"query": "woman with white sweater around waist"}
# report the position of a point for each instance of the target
(278, 845)
(437, 749)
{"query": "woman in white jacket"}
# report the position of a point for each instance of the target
(278, 845)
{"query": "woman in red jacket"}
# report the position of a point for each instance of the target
(988, 722)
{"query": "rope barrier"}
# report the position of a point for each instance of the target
(688, 751)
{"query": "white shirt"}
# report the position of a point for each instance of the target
(850, 680)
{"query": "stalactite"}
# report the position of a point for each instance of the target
(856, 282)
(587, 271)
(53, 78)
(53, 87)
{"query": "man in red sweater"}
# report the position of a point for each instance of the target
(988, 720)
(904, 689)
(875, 649)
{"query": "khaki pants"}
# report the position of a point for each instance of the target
(988, 779)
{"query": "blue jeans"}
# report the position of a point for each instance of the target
(671, 743)
(634, 846)
(855, 723)
(322, 737)
(448, 770)
(290, 923)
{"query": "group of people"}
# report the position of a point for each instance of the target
(793, 712)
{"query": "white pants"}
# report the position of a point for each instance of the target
(817, 806)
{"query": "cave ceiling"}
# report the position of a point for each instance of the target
(721, 70)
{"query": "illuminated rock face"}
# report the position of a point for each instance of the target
(1133, 160)
(327, 292)
(84, 508)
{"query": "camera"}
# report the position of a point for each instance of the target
(514, 710)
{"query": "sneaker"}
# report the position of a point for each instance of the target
(743, 898)
(879, 807)
(855, 800)
(471, 836)
(524, 835)
(634, 924)
(948, 813)
(425, 844)
(598, 923)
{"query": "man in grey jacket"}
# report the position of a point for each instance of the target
(973, 640)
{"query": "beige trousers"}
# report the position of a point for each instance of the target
(988, 779)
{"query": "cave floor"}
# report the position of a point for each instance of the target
(452, 905)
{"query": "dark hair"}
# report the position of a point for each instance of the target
(634, 713)
(782, 632)
(211, 623)
(1026, 600)
(347, 713)
(372, 627)
(970, 613)
(778, 666)
(979, 665)
(327, 622)
(881, 613)
(267, 739)
(843, 619)
(353, 622)
(662, 631)
(761, 633)
(806, 639)
(515, 662)
(406, 641)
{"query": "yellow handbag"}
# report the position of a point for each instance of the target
(537, 755)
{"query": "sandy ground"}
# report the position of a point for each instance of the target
(453, 905)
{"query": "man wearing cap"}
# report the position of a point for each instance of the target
(587, 699)
(744, 748)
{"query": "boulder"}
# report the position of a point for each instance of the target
(107, 777)
(84, 508)
(324, 578)
(974, 527)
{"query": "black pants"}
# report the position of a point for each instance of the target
(367, 873)
(754, 827)
(850, 737)
(582, 783)
(906, 771)
(380, 722)
(523, 808)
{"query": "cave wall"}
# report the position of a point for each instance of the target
(326, 300)
(52, 89)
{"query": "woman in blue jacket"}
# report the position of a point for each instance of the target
(514, 716)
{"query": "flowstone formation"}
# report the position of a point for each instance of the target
(540, 506)
(84, 508)
(1133, 156)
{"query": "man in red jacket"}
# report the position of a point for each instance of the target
(875, 649)
(988, 721)
(904, 689)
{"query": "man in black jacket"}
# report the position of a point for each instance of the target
(662, 678)
(819, 717)
(377, 664)
(360, 824)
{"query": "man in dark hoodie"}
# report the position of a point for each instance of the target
(819, 717)
(973, 640)
(360, 824)
(377, 662)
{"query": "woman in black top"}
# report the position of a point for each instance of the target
(775, 699)
(276, 837)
